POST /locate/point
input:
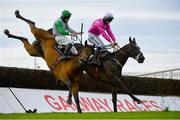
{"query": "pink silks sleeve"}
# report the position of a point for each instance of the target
(109, 31)
(99, 25)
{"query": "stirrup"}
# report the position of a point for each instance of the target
(63, 57)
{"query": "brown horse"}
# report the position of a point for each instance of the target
(110, 70)
(69, 71)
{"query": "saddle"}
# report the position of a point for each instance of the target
(104, 55)
(60, 50)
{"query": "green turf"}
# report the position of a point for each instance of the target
(96, 116)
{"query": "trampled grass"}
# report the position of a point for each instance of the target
(97, 116)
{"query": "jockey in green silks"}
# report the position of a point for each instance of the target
(61, 31)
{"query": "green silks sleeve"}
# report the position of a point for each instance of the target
(60, 28)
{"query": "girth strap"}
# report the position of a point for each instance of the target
(56, 62)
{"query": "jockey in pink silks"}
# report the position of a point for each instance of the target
(101, 27)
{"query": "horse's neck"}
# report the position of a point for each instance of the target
(121, 56)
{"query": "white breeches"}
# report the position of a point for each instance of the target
(64, 40)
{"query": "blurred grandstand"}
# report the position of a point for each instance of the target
(168, 74)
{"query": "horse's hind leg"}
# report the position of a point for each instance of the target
(29, 48)
(37, 32)
(6, 31)
(24, 19)
(31, 23)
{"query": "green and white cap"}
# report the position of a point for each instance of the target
(66, 13)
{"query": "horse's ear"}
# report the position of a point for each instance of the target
(86, 43)
(134, 40)
(130, 40)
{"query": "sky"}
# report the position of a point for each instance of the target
(154, 23)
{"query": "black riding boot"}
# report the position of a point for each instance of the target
(95, 60)
(65, 55)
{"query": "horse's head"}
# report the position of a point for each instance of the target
(86, 52)
(133, 50)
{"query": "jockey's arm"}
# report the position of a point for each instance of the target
(60, 28)
(110, 33)
(102, 32)
(70, 29)
(73, 32)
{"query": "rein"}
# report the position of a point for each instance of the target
(115, 60)
(76, 38)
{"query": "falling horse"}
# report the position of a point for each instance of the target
(69, 71)
(110, 70)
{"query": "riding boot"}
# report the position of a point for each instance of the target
(95, 60)
(66, 55)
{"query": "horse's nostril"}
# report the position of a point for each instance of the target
(141, 59)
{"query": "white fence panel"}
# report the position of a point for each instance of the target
(55, 101)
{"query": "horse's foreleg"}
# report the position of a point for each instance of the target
(69, 100)
(114, 98)
(128, 92)
(69, 84)
(29, 48)
(75, 89)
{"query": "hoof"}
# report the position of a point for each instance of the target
(6, 31)
(69, 102)
(29, 111)
(115, 110)
(17, 13)
(139, 102)
(79, 111)
(35, 110)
